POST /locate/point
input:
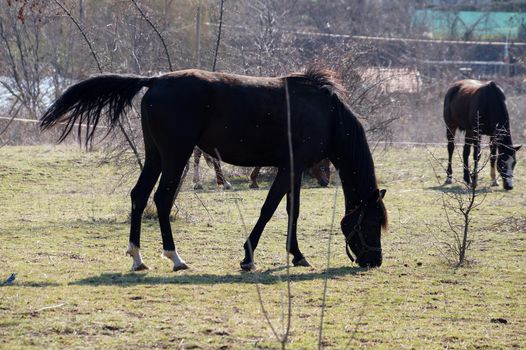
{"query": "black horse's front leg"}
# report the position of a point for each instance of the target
(293, 203)
(450, 148)
(493, 160)
(476, 158)
(465, 153)
(279, 187)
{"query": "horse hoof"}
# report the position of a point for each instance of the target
(448, 181)
(140, 267)
(249, 266)
(494, 184)
(227, 185)
(301, 262)
(254, 186)
(198, 187)
(183, 266)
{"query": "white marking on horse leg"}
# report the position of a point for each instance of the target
(493, 175)
(135, 253)
(179, 263)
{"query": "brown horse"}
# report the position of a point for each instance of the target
(321, 171)
(220, 177)
(480, 109)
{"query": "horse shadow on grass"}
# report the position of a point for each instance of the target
(31, 284)
(266, 277)
(459, 189)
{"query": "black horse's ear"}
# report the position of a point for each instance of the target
(382, 194)
(517, 148)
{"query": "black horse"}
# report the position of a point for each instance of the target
(480, 109)
(246, 120)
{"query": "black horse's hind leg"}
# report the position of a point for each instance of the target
(139, 199)
(450, 148)
(172, 168)
(292, 239)
(492, 160)
(465, 155)
(140, 194)
(279, 188)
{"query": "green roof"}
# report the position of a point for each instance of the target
(456, 24)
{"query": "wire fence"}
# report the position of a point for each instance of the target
(372, 142)
(376, 38)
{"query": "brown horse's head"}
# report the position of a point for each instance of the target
(322, 172)
(362, 228)
(506, 164)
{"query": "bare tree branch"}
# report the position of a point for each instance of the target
(129, 140)
(218, 35)
(156, 32)
(82, 32)
(326, 278)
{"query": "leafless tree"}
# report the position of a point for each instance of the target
(23, 55)
(459, 205)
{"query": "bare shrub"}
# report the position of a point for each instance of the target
(459, 205)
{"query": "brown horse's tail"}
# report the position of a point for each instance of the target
(84, 102)
(447, 102)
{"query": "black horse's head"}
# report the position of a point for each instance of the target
(362, 228)
(506, 164)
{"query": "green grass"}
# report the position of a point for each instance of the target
(64, 230)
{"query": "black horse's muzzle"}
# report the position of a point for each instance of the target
(365, 255)
(363, 236)
(370, 259)
(507, 183)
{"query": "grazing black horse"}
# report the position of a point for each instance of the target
(480, 109)
(244, 120)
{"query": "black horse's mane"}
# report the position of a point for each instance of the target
(323, 78)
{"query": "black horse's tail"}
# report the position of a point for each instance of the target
(84, 102)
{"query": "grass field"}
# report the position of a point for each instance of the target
(64, 231)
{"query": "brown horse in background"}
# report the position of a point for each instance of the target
(480, 109)
(321, 171)
(216, 164)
